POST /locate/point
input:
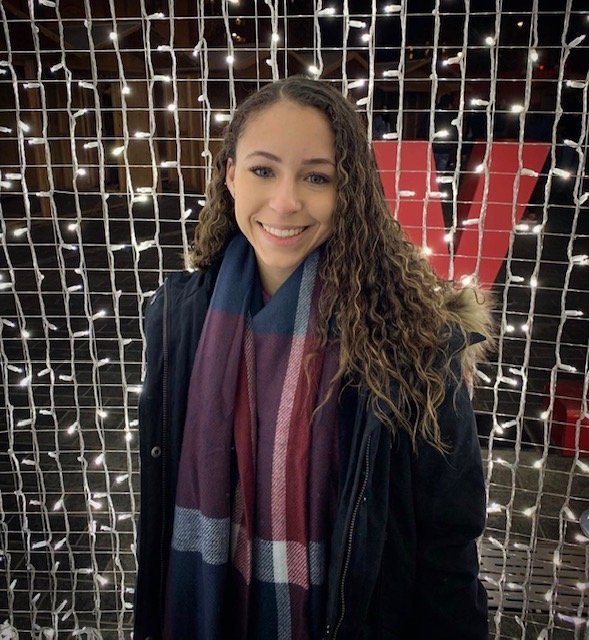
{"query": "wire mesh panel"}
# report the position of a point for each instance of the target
(110, 114)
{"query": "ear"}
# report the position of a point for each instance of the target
(230, 176)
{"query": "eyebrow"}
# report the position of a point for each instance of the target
(271, 156)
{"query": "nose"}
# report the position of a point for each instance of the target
(285, 198)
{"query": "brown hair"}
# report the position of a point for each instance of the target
(393, 316)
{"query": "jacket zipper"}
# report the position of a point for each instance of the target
(350, 540)
(164, 441)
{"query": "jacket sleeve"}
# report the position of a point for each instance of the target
(450, 511)
(147, 608)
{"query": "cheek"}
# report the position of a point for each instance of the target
(329, 209)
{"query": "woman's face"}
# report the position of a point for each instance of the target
(283, 182)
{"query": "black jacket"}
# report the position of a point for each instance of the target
(403, 561)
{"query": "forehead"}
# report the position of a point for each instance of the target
(288, 125)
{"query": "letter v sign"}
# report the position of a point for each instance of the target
(494, 204)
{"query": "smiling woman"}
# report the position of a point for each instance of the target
(310, 465)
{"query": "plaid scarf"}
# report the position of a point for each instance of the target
(257, 482)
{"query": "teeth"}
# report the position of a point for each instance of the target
(283, 233)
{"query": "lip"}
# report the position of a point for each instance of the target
(284, 241)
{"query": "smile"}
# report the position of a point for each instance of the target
(283, 233)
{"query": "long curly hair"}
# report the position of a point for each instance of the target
(391, 316)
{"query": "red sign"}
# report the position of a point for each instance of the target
(493, 195)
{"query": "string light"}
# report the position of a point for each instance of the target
(577, 41)
(450, 61)
(583, 466)
(561, 173)
(575, 84)
(328, 11)
(529, 172)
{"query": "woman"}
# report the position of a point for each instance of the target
(310, 465)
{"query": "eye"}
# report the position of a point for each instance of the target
(262, 172)
(318, 178)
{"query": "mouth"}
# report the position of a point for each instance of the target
(283, 233)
